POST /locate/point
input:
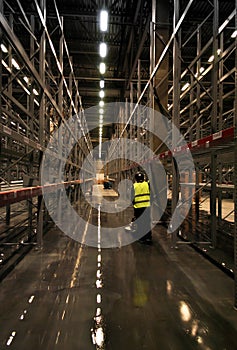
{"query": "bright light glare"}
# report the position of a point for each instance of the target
(15, 64)
(201, 69)
(102, 93)
(4, 49)
(234, 34)
(101, 103)
(103, 20)
(211, 59)
(102, 84)
(102, 67)
(185, 311)
(26, 79)
(103, 49)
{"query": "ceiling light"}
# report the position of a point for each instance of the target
(234, 34)
(101, 103)
(211, 59)
(26, 79)
(201, 69)
(102, 84)
(102, 94)
(103, 49)
(102, 68)
(35, 92)
(15, 64)
(4, 49)
(101, 111)
(101, 117)
(103, 20)
(5, 65)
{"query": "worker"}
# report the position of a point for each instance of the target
(140, 195)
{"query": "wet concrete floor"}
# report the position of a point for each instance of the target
(69, 296)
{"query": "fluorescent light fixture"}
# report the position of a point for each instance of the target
(102, 84)
(101, 103)
(26, 80)
(101, 111)
(185, 86)
(211, 59)
(4, 49)
(104, 20)
(35, 92)
(102, 94)
(101, 117)
(234, 34)
(6, 66)
(102, 68)
(201, 70)
(103, 49)
(15, 64)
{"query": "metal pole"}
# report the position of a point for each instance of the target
(235, 168)
(40, 212)
(152, 50)
(220, 85)
(214, 113)
(138, 113)
(213, 195)
(175, 114)
(1, 11)
(219, 193)
(40, 222)
(198, 85)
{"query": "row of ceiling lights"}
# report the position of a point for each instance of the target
(102, 68)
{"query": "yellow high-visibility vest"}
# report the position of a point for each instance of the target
(142, 194)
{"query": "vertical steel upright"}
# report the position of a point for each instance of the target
(1, 11)
(199, 45)
(215, 67)
(235, 167)
(214, 124)
(41, 123)
(152, 66)
(213, 198)
(175, 114)
(60, 105)
(138, 111)
(131, 127)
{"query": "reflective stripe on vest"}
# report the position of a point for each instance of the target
(142, 194)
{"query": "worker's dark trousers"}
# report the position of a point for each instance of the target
(143, 222)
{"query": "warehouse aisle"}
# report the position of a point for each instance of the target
(70, 296)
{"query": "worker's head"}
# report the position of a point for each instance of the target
(139, 177)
